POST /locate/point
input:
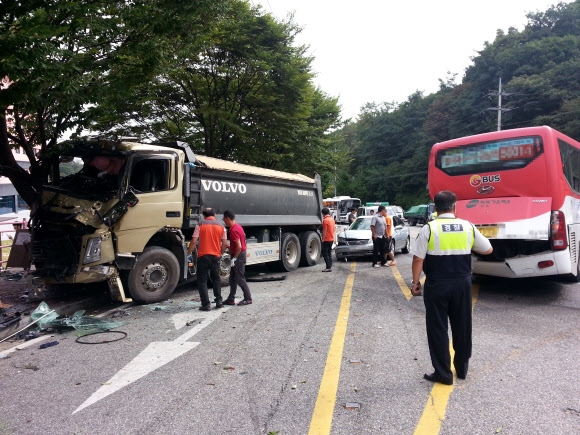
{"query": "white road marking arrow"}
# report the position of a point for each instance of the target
(155, 355)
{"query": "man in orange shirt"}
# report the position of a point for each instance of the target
(327, 238)
(389, 237)
(212, 244)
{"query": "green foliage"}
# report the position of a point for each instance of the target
(242, 91)
(63, 58)
(540, 70)
(218, 74)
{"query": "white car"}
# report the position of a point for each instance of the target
(357, 240)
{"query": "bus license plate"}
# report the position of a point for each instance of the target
(488, 231)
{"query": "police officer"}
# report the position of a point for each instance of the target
(443, 251)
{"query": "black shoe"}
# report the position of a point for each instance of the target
(434, 377)
(229, 302)
(205, 308)
(219, 305)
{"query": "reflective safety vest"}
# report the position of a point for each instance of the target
(449, 249)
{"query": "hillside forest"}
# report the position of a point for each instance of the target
(228, 78)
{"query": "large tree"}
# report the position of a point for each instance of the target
(58, 59)
(243, 92)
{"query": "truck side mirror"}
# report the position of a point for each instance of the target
(120, 208)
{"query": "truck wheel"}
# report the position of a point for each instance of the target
(154, 276)
(311, 248)
(290, 252)
(413, 222)
(407, 246)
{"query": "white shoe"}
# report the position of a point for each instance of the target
(376, 265)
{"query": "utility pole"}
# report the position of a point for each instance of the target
(499, 109)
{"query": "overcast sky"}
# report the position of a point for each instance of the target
(385, 50)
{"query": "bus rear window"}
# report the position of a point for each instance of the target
(493, 156)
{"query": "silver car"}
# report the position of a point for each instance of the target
(357, 240)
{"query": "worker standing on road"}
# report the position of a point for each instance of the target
(379, 231)
(388, 238)
(212, 244)
(352, 216)
(238, 254)
(443, 251)
(327, 238)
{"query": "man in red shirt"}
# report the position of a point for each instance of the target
(212, 244)
(327, 238)
(238, 254)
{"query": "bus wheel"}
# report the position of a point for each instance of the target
(290, 252)
(154, 276)
(311, 248)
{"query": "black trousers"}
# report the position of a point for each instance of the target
(379, 251)
(209, 266)
(327, 254)
(238, 278)
(448, 299)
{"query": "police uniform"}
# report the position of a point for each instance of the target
(445, 244)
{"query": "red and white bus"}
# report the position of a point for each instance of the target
(521, 188)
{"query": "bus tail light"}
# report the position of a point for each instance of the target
(558, 231)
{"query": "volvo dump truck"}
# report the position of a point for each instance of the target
(124, 212)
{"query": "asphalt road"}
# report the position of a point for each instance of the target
(341, 353)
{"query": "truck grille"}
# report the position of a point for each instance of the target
(55, 254)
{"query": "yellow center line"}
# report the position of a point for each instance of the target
(434, 412)
(321, 421)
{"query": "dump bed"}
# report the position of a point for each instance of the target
(259, 197)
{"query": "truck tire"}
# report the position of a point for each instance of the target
(154, 276)
(290, 253)
(311, 248)
(412, 222)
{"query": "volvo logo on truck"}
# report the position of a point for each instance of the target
(223, 186)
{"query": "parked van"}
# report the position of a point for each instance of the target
(366, 210)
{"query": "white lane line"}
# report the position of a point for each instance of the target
(155, 355)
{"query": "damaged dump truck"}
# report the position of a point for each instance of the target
(123, 212)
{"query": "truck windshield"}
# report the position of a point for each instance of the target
(97, 176)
